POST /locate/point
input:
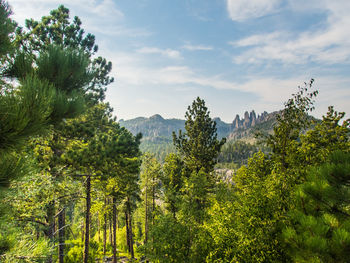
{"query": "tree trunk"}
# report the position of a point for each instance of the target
(87, 218)
(114, 230)
(111, 230)
(153, 208)
(153, 203)
(99, 227)
(110, 226)
(82, 232)
(61, 235)
(51, 222)
(146, 218)
(105, 230)
(131, 240)
(127, 230)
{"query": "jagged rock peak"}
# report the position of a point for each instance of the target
(250, 119)
(252, 115)
(246, 115)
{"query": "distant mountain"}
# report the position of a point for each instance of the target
(246, 128)
(156, 126)
(157, 131)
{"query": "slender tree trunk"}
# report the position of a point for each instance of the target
(127, 230)
(114, 230)
(98, 227)
(146, 217)
(110, 230)
(153, 203)
(131, 240)
(174, 212)
(105, 230)
(61, 235)
(82, 232)
(153, 209)
(51, 223)
(87, 218)
(117, 220)
(37, 233)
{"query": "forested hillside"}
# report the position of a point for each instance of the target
(77, 186)
(157, 132)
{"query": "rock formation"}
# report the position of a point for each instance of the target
(250, 119)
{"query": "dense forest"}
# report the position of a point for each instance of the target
(75, 186)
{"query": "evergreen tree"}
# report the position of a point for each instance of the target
(172, 182)
(57, 29)
(320, 229)
(199, 144)
(50, 89)
(7, 27)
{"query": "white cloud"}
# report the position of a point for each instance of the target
(170, 53)
(102, 17)
(258, 40)
(94, 10)
(327, 45)
(197, 47)
(240, 10)
(271, 91)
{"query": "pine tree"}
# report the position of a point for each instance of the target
(7, 27)
(320, 227)
(57, 29)
(199, 144)
(50, 89)
(172, 181)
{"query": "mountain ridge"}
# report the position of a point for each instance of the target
(157, 126)
(157, 131)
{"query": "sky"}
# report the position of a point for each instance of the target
(237, 55)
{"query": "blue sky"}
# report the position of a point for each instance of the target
(238, 55)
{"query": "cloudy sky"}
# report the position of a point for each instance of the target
(238, 55)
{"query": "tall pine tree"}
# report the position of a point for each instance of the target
(199, 144)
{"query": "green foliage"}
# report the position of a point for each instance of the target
(320, 227)
(12, 167)
(170, 241)
(237, 152)
(64, 71)
(54, 69)
(24, 112)
(28, 250)
(246, 229)
(199, 144)
(172, 180)
(249, 229)
(195, 197)
(57, 29)
(292, 120)
(7, 27)
(326, 137)
(151, 174)
(76, 248)
(160, 147)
